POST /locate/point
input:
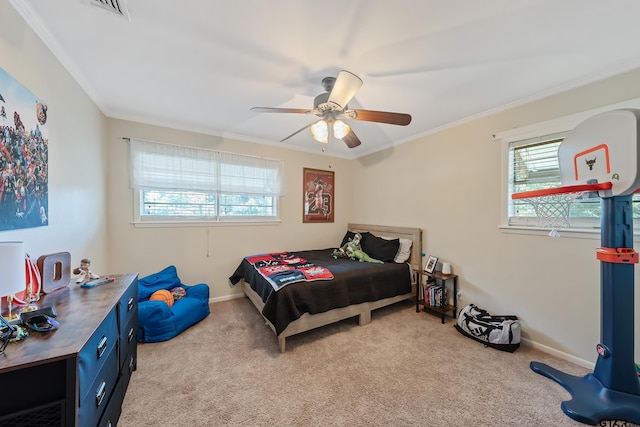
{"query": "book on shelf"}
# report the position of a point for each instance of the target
(435, 295)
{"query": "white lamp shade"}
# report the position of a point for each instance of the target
(320, 131)
(340, 129)
(12, 268)
(345, 86)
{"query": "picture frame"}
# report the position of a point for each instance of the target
(318, 196)
(430, 266)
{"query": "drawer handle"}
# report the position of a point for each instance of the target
(130, 303)
(102, 390)
(102, 346)
(131, 334)
(131, 362)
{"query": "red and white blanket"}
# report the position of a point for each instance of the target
(280, 269)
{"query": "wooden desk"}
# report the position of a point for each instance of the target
(49, 378)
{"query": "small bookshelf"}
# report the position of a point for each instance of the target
(436, 293)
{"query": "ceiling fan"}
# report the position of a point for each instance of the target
(332, 108)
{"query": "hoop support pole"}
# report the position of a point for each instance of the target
(617, 255)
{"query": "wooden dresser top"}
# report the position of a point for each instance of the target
(79, 310)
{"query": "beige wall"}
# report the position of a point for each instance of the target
(448, 183)
(147, 250)
(77, 132)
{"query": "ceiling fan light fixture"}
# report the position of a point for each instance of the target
(320, 131)
(332, 104)
(340, 129)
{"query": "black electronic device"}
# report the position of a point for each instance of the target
(49, 311)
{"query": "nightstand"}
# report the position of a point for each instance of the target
(434, 293)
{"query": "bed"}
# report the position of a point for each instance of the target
(356, 289)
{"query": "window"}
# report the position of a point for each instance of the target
(533, 165)
(527, 165)
(184, 184)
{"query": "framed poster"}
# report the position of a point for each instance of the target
(318, 195)
(24, 153)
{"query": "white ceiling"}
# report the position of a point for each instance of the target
(200, 65)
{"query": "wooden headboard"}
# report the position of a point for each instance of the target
(411, 233)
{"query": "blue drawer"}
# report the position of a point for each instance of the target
(128, 305)
(126, 372)
(96, 400)
(93, 355)
(112, 412)
(128, 341)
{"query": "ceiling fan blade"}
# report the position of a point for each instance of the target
(401, 119)
(280, 110)
(296, 132)
(346, 85)
(351, 139)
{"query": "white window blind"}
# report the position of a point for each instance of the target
(250, 175)
(187, 183)
(157, 166)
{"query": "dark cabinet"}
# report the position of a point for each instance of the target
(79, 373)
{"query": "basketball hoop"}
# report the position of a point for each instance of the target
(552, 205)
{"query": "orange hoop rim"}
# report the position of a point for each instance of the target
(562, 190)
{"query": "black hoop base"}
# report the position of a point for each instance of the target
(592, 402)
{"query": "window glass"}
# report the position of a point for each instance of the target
(178, 203)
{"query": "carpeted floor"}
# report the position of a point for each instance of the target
(403, 369)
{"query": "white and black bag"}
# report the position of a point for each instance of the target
(499, 332)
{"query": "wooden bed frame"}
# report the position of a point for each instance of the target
(310, 321)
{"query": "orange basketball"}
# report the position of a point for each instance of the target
(162, 295)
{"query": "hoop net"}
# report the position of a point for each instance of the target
(552, 205)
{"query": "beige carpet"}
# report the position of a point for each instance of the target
(403, 369)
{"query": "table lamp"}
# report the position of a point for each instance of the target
(12, 272)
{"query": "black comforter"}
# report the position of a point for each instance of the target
(354, 283)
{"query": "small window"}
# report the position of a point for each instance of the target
(184, 184)
(533, 165)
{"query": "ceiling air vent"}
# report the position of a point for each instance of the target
(119, 7)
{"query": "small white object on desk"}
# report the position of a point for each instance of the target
(446, 268)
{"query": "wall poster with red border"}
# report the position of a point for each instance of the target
(318, 195)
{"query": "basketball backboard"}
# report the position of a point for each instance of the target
(603, 148)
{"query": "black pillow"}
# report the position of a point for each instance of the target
(379, 248)
(349, 236)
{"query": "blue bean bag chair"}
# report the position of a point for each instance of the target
(159, 322)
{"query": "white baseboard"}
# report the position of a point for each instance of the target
(558, 353)
(226, 298)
